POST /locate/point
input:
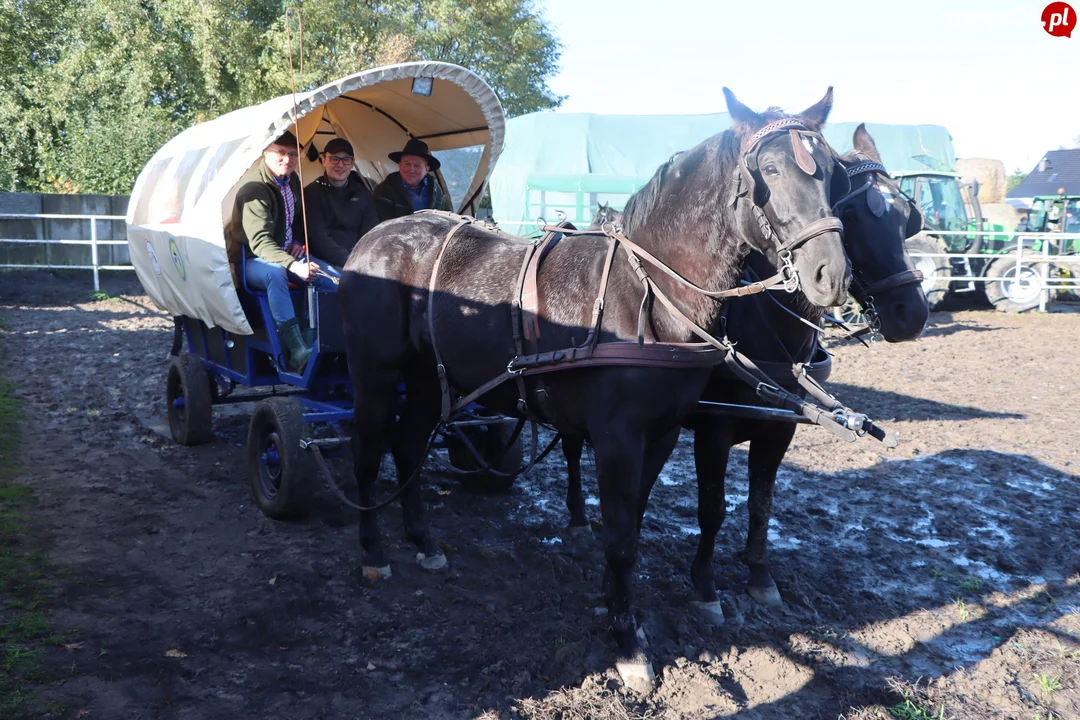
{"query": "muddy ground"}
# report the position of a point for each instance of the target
(946, 569)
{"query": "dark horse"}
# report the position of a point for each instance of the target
(762, 184)
(876, 223)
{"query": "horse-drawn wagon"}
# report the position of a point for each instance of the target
(179, 236)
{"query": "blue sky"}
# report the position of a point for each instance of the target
(987, 71)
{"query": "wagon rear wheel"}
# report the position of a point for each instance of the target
(189, 401)
(278, 469)
(489, 441)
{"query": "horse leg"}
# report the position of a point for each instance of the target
(419, 416)
(656, 454)
(572, 446)
(619, 461)
(712, 445)
(375, 399)
(767, 451)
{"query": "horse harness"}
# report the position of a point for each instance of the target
(528, 360)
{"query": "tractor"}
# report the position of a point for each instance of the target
(949, 205)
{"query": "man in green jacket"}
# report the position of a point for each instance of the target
(266, 216)
(413, 187)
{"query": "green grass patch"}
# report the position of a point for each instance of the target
(908, 710)
(24, 629)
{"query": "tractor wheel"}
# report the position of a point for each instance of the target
(1014, 292)
(936, 270)
(489, 441)
(189, 401)
(278, 468)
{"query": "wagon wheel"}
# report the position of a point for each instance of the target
(189, 401)
(936, 270)
(1014, 292)
(489, 441)
(278, 469)
(851, 312)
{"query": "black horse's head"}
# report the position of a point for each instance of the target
(605, 214)
(787, 173)
(877, 220)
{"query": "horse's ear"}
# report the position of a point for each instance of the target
(818, 113)
(864, 144)
(740, 114)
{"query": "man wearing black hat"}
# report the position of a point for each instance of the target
(412, 188)
(340, 207)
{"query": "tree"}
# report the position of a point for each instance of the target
(93, 87)
(1014, 180)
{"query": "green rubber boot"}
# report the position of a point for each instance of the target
(299, 351)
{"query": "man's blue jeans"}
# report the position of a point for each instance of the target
(274, 279)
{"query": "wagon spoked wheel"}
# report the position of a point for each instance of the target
(851, 312)
(189, 401)
(490, 441)
(278, 468)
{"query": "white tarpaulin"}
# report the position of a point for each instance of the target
(183, 198)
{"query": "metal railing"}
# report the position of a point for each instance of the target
(1024, 253)
(93, 242)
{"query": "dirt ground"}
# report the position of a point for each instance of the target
(942, 575)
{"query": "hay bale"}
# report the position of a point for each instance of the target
(989, 173)
(1001, 214)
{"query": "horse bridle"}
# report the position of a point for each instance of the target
(859, 286)
(748, 167)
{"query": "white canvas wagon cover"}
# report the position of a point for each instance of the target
(183, 197)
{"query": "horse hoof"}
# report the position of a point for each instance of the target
(377, 573)
(576, 532)
(766, 596)
(432, 562)
(714, 614)
(637, 675)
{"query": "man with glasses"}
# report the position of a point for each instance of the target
(412, 187)
(340, 208)
(266, 218)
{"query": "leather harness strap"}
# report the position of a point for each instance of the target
(444, 385)
(900, 279)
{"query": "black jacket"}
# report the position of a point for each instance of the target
(392, 199)
(338, 217)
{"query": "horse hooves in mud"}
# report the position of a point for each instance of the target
(767, 596)
(376, 573)
(431, 562)
(578, 532)
(711, 611)
(637, 674)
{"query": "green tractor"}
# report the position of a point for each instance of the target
(1055, 214)
(949, 205)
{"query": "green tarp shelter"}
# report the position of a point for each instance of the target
(574, 161)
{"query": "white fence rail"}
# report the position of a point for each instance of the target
(1050, 254)
(93, 242)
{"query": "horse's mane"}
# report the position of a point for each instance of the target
(724, 147)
